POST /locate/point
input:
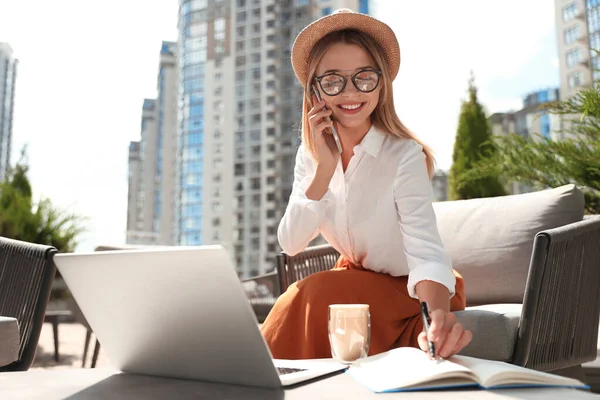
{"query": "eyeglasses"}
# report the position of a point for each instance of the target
(365, 80)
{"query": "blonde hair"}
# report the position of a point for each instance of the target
(384, 116)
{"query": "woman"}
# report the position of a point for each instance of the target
(372, 202)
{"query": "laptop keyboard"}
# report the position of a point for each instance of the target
(284, 371)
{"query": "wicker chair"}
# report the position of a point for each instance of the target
(26, 276)
(555, 332)
(314, 259)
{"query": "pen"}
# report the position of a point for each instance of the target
(427, 322)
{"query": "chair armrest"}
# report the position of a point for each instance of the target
(262, 291)
(559, 321)
(270, 280)
(268, 275)
(307, 262)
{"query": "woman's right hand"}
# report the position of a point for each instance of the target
(326, 155)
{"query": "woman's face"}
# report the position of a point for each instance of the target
(351, 107)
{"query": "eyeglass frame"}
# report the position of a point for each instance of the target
(378, 72)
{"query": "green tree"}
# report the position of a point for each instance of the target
(23, 219)
(544, 162)
(471, 146)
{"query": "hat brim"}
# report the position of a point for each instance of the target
(380, 32)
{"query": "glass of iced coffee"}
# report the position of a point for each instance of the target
(349, 331)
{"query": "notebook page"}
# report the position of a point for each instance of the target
(496, 373)
(404, 367)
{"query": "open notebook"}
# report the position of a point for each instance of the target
(407, 368)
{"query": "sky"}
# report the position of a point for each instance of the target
(85, 68)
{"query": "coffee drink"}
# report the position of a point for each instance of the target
(349, 331)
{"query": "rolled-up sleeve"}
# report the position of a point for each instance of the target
(303, 217)
(427, 258)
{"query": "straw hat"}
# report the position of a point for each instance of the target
(341, 19)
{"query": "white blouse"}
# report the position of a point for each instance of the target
(377, 214)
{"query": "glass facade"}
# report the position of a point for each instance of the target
(8, 67)
(363, 6)
(545, 125)
(159, 149)
(192, 58)
(593, 17)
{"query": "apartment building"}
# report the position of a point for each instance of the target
(529, 121)
(8, 77)
(152, 161)
(578, 34)
(239, 115)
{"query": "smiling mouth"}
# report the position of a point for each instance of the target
(351, 108)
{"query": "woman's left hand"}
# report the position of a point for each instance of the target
(448, 335)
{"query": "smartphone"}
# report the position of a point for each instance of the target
(336, 137)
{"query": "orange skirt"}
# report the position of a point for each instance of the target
(296, 327)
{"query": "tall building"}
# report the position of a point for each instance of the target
(529, 121)
(152, 161)
(578, 34)
(239, 114)
(134, 206)
(8, 77)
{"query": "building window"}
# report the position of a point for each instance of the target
(572, 34)
(575, 79)
(545, 125)
(569, 12)
(593, 16)
(198, 4)
(219, 29)
(596, 68)
(574, 57)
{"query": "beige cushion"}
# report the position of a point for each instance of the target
(494, 329)
(490, 239)
(9, 340)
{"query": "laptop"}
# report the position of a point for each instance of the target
(178, 312)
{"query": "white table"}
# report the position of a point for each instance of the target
(86, 384)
